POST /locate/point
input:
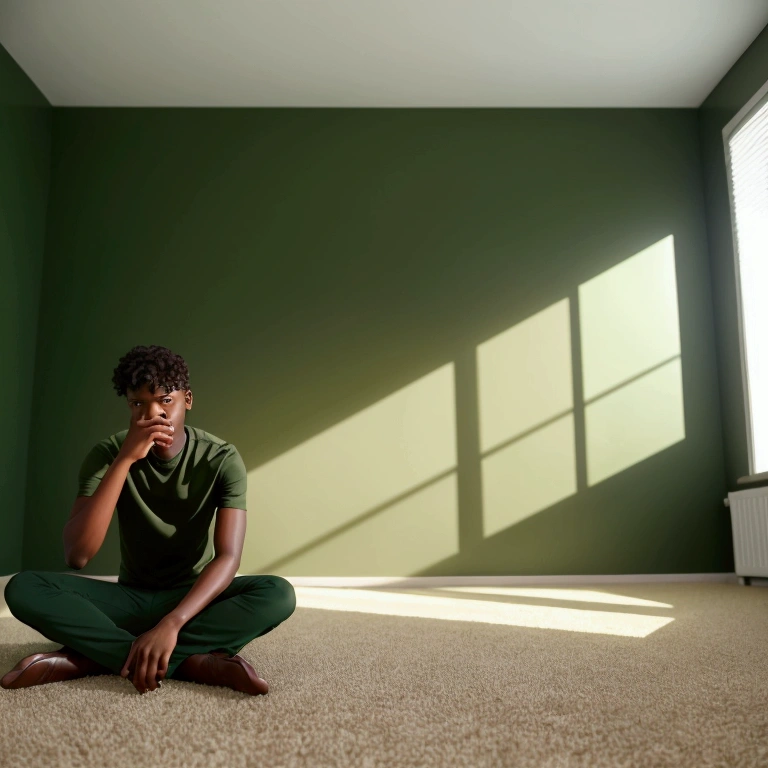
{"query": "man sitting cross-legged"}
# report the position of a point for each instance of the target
(177, 609)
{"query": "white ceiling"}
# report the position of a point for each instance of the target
(378, 53)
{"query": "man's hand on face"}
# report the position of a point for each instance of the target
(143, 434)
(149, 655)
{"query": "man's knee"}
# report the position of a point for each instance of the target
(16, 592)
(284, 596)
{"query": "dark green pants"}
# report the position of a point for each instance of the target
(101, 619)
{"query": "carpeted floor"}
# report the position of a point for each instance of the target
(600, 676)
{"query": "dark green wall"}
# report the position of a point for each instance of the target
(744, 79)
(25, 140)
(308, 263)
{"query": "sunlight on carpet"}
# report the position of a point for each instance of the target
(491, 612)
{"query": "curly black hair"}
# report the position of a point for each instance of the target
(156, 366)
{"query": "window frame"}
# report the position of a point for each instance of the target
(740, 118)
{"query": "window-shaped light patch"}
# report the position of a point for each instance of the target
(634, 422)
(374, 494)
(525, 376)
(629, 319)
(406, 537)
(630, 340)
(525, 390)
(529, 475)
(435, 606)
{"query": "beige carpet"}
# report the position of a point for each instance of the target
(585, 676)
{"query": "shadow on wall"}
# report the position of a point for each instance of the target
(561, 402)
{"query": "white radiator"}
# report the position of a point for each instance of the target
(749, 518)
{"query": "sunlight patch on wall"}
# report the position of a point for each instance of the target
(525, 380)
(406, 537)
(529, 475)
(525, 375)
(635, 422)
(488, 612)
(629, 318)
(630, 340)
(307, 503)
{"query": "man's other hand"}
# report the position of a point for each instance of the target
(148, 660)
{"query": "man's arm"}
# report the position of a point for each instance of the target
(89, 519)
(228, 537)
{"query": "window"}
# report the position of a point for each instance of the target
(746, 153)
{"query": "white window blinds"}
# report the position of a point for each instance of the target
(747, 157)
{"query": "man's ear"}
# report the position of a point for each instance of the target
(188, 399)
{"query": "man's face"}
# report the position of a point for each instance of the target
(173, 405)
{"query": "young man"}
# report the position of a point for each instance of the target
(177, 609)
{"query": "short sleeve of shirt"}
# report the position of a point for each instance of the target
(233, 482)
(92, 470)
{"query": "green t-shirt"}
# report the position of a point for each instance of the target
(166, 508)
